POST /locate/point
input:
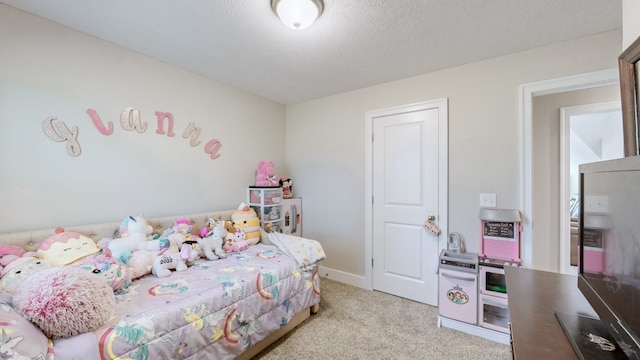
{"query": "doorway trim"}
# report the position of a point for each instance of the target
(443, 171)
(527, 92)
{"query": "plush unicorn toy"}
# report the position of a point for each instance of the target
(211, 244)
(134, 233)
(237, 244)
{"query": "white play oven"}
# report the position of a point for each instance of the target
(493, 307)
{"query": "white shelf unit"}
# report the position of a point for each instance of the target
(267, 202)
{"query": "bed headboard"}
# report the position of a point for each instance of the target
(31, 240)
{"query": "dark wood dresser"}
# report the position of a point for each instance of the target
(534, 296)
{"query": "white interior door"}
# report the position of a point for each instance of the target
(406, 191)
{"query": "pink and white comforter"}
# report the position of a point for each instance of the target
(214, 310)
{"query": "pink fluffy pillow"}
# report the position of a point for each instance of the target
(65, 301)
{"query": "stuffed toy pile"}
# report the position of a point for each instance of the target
(68, 288)
(69, 285)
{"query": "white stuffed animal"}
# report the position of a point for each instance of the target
(212, 244)
(173, 260)
(134, 233)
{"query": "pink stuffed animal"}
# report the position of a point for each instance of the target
(265, 175)
(8, 253)
(237, 244)
(115, 273)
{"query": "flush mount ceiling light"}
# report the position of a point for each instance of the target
(297, 14)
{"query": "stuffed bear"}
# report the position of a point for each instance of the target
(265, 175)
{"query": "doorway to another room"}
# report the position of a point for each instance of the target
(589, 133)
(541, 198)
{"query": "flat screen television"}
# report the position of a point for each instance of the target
(609, 268)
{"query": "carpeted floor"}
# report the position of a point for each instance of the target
(354, 323)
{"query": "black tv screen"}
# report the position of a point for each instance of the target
(609, 275)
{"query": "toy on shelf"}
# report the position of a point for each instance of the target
(265, 175)
(287, 186)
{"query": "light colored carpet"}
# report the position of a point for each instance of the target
(354, 323)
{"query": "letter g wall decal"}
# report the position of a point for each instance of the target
(130, 120)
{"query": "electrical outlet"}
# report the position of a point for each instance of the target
(488, 200)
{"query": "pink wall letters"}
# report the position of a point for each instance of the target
(130, 120)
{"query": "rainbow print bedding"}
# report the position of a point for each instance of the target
(214, 310)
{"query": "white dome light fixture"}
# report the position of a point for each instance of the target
(297, 14)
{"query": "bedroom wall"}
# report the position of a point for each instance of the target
(325, 142)
(630, 23)
(48, 70)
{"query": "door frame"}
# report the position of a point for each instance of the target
(443, 173)
(527, 92)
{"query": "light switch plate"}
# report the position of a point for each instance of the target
(488, 200)
(596, 204)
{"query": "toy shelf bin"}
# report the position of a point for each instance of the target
(500, 234)
(265, 196)
(267, 202)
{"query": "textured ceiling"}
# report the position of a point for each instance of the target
(354, 44)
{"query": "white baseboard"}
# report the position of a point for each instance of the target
(489, 334)
(343, 277)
